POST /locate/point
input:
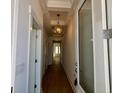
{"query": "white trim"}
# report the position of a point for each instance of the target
(28, 58)
(80, 89)
(14, 39)
(77, 47)
(31, 16)
(94, 49)
(107, 86)
(28, 63)
(105, 46)
(104, 16)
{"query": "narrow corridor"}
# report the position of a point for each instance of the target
(61, 46)
(55, 80)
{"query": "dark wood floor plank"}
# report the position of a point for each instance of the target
(55, 80)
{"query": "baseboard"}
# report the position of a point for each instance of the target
(71, 83)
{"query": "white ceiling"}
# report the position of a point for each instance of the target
(55, 7)
(59, 3)
(61, 7)
(54, 18)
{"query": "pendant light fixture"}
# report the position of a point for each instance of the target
(58, 28)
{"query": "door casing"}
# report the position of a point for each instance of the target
(38, 53)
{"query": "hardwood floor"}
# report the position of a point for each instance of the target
(55, 80)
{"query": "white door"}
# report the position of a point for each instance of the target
(35, 61)
(39, 58)
(32, 61)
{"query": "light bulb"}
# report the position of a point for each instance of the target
(59, 30)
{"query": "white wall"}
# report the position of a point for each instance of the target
(45, 51)
(69, 52)
(36, 7)
(21, 59)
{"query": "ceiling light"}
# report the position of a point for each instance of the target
(58, 28)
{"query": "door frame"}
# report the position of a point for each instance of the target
(79, 88)
(81, 3)
(31, 17)
(55, 41)
(14, 41)
(107, 44)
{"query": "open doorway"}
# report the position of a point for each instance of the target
(56, 55)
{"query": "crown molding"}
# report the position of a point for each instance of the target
(59, 4)
(58, 9)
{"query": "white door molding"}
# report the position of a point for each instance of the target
(14, 41)
(105, 43)
(38, 51)
(79, 88)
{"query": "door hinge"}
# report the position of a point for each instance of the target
(35, 60)
(35, 86)
(107, 34)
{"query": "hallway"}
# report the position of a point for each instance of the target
(55, 80)
(61, 46)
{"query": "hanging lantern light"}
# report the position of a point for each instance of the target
(58, 28)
